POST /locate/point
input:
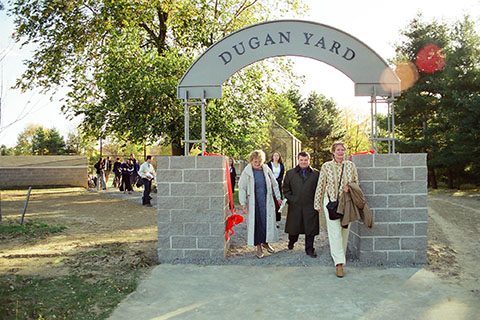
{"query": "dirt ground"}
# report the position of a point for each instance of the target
(91, 220)
(94, 219)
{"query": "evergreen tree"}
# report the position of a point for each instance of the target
(439, 114)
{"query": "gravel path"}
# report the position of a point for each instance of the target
(242, 254)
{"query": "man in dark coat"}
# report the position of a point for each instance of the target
(299, 188)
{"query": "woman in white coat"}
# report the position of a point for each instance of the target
(255, 193)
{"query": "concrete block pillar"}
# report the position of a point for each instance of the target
(192, 200)
(395, 186)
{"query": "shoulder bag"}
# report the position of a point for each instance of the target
(332, 206)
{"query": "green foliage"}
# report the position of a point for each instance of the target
(24, 140)
(320, 124)
(4, 151)
(440, 113)
(35, 139)
(356, 132)
(240, 118)
(284, 112)
(29, 228)
(47, 141)
(125, 58)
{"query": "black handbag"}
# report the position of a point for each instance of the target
(139, 182)
(332, 206)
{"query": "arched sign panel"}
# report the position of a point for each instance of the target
(370, 73)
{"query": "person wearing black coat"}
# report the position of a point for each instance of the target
(117, 171)
(233, 173)
(127, 172)
(100, 167)
(299, 188)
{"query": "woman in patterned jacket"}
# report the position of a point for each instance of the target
(332, 173)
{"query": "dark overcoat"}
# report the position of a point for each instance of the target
(302, 218)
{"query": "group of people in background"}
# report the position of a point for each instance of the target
(126, 175)
(307, 191)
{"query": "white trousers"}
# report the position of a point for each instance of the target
(337, 236)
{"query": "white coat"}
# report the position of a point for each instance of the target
(246, 196)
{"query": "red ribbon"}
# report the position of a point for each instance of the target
(234, 218)
(365, 152)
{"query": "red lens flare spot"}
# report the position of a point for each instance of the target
(430, 59)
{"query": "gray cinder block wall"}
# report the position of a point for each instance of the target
(395, 186)
(192, 201)
(42, 171)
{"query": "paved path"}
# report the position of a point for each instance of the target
(258, 292)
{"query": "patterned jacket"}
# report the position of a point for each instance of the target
(329, 178)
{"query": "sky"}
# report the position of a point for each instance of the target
(377, 23)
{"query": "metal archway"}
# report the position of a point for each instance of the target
(369, 72)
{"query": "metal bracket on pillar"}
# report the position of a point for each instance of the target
(390, 139)
(187, 141)
(204, 139)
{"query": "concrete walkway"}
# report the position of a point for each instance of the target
(269, 292)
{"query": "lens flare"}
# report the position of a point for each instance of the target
(430, 59)
(407, 72)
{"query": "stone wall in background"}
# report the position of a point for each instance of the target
(43, 171)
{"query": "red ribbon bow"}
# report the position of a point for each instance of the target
(234, 218)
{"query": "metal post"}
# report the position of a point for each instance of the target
(376, 126)
(25, 206)
(186, 143)
(389, 128)
(371, 118)
(204, 142)
(393, 124)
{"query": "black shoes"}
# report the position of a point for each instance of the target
(290, 246)
(312, 254)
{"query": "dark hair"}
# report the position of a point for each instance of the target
(279, 157)
(149, 157)
(304, 154)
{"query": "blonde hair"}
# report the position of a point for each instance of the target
(256, 154)
(336, 144)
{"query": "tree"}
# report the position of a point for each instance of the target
(240, 118)
(320, 124)
(55, 142)
(356, 132)
(40, 142)
(124, 58)
(5, 151)
(47, 141)
(284, 112)
(24, 140)
(439, 114)
(73, 145)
